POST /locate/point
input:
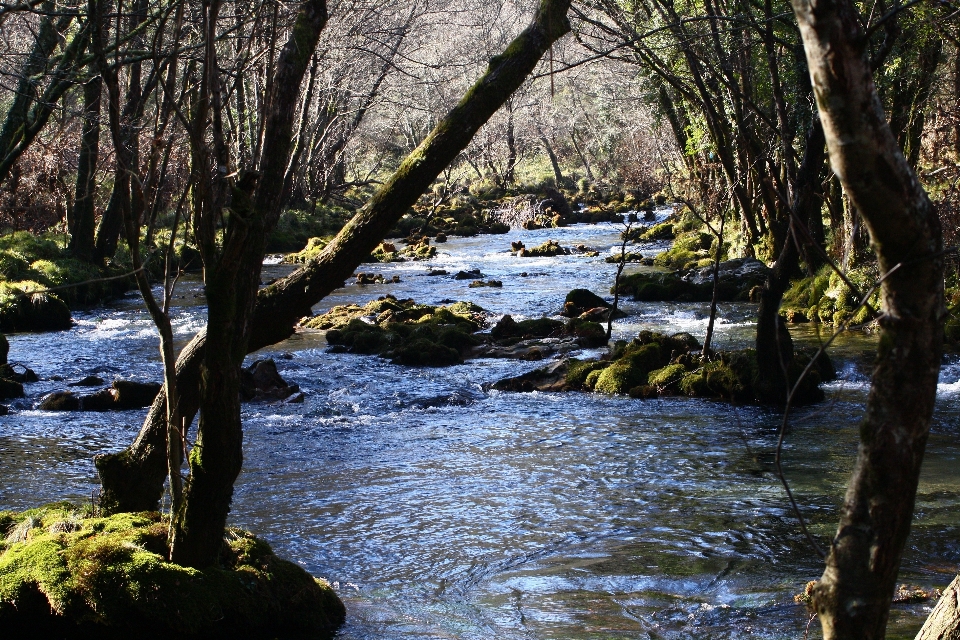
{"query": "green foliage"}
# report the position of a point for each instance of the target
(296, 227)
(110, 574)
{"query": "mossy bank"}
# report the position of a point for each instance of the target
(67, 573)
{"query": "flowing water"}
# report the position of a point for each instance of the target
(441, 509)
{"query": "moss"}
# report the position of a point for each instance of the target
(548, 249)
(591, 380)
(666, 377)
(630, 370)
(578, 372)
(406, 332)
(662, 231)
(108, 577)
(313, 248)
(589, 334)
(694, 384)
(678, 258)
(508, 328)
(25, 306)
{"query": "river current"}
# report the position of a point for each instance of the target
(440, 509)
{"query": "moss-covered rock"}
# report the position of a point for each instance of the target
(27, 306)
(404, 331)
(548, 249)
(655, 364)
(736, 280)
(826, 298)
(41, 282)
(589, 334)
(64, 572)
(313, 248)
(507, 328)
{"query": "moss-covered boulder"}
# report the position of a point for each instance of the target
(41, 282)
(27, 306)
(66, 573)
(406, 332)
(736, 280)
(827, 298)
(548, 249)
(313, 248)
(654, 364)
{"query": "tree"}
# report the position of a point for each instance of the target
(133, 479)
(853, 596)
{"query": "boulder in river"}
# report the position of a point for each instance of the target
(262, 381)
(122, 395)
(654, 364)
(736, 280)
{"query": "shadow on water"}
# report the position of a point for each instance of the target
(441, 510)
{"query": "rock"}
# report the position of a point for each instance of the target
(262, 381)
(8, 372)
(89, 381)
(488, 283)
(589, 334)
(508, 328)
(4, 410)
(738, 272)
(516, 246)
(473, 274)
(533, 349)
(102, 400)
(60, 401)
(130, 394)
(441, 237)
(10, 389)
(548, 249)
(297, 399)
(580, 300)
(437, 272)
(627, 257)
(553, 377)
(95, 571)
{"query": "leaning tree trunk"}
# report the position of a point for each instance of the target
(943, 623)
(133, 478)
(774, 346)
(853, 596)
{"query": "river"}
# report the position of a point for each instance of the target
(440, 509)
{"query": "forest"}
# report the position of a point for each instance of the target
(460, 319)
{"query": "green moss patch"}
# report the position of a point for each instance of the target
(65, 572)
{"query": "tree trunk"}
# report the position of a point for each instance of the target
(45, 43)
(557, 174)
(774, 346)
(133, 479)
(943, 623)
(82, 220)
(853, 596)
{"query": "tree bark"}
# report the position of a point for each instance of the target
(774, 346)
(83, 215)
(853, 596)
(133, 479)
(943, 623)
